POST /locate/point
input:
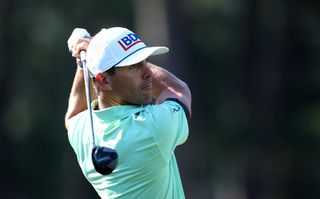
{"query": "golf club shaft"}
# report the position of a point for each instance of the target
(87, 88)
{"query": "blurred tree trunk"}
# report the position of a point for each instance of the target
(152, 25)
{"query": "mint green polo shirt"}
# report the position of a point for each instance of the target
(145, 138)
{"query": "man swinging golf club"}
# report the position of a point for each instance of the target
(125, 145)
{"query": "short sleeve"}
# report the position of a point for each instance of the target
(170, 126)
(73, 128)
(71, 131)
(75, 135)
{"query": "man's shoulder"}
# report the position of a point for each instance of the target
(169, 106)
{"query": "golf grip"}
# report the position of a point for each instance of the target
(87, 88)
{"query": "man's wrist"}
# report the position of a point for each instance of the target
(79, 63)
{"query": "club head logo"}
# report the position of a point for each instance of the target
(129, 41)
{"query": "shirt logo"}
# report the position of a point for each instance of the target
(176, 109)
(129, 41)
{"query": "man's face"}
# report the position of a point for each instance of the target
(133, 84)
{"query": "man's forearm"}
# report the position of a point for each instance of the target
(77, 99)
(166, 85)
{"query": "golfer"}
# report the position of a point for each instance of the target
(140, 110)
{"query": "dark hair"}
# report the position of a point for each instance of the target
(111, 71)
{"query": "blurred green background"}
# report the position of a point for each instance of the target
(252, 65)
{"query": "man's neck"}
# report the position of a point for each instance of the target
(106, 102)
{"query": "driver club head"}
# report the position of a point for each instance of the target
(104, 159)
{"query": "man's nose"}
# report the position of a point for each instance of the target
(146, 71)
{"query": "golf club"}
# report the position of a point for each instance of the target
(104, 159)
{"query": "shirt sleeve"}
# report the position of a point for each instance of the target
(186, 111)
(75, 135)
(73, 130)
(170, 126)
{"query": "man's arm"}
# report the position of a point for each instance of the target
(166, 85)
(77, 99)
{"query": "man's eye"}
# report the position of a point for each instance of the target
(132, 66)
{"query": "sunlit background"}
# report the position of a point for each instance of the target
(253, 67)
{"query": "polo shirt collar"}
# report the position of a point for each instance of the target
(116, 112)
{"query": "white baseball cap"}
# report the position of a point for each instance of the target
(117, 47)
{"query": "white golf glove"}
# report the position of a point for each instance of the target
(77, 34)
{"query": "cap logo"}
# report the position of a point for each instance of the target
(129, 41)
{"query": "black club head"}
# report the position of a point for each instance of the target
(104, 159)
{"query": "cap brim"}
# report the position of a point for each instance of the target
(141, 55)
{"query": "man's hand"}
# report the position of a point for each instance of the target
(79, 40)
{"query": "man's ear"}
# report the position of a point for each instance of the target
(103, 80)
